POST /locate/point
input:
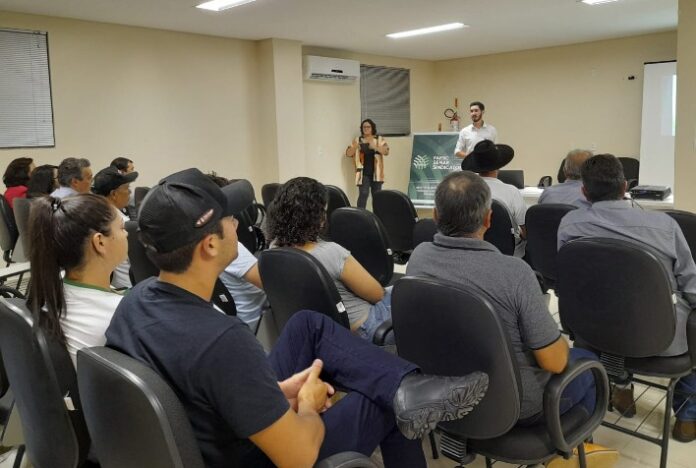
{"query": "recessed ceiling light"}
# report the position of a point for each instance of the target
(430, 30)
(219, 5)
(597, 2)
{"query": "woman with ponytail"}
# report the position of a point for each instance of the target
(85, 237)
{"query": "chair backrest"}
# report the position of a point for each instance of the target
(141, 266)
(7, 239)
(40, 373)
(631, 168)
(337, 199)
(135, 418)
(501, 233)
(241, 189)
(294, 280)
(9, 220)
(424, 231)
(615, 296)
(461, 333)
(561, 175)
(22, 208)
(687, 223)
(512, 176)
(139, 196)
(397, 213)
(268, 192)
(362, 233)
(542, 223)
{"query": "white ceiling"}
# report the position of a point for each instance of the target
(361, 25)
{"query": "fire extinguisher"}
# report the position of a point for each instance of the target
(453, 116)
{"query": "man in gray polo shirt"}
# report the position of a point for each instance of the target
(570, 191)
(611, 216)
(459, 254)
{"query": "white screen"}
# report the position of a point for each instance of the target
(658, 125)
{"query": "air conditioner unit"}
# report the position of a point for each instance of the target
(330, 69)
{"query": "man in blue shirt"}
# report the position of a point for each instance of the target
(247, 409)
(611, 216)
(570, 191)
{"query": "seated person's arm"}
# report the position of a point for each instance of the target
(460, 154)
(554, 357)
(294, 440)
(254, 277)
(523, 232)
(358, 280)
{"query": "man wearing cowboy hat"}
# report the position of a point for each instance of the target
(486, 159)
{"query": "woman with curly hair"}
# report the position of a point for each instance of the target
(16, 178)
(295, 218)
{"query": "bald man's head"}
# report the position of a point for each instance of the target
(574, 161)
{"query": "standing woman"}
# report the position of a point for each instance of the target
(84, 236)
(368, 151)
(16, 178)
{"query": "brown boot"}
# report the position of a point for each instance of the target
(684, 431)
(623, 402)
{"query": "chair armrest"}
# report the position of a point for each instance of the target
(381, 332)
(691, 336)
(552, 399)
(346, 460)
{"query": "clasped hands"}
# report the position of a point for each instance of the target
(306, 389)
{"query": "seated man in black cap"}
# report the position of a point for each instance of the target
(115, 186)
(485, 160)
(247, 409)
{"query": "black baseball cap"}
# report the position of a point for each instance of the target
(175, 212)
(110, 179)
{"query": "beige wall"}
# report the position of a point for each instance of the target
(545, 102)
(332, 118)
(685, 144)
(168, 100)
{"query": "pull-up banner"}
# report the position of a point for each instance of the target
(432, 159)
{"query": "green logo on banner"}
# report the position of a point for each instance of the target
(432, 158)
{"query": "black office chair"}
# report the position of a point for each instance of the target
(501, 233)
(545, 181)
(248, 233)
(8, 232)
(424, 231)
(137, 421)
(41, 375)
(512, 176)
(138, 196)
(337, 199)
(362, 233)
(631, 169)
(397, 213)
(561, 175)
(134, 417)
(268, 193)
(542, 223)
(294, 280)
(461, 333)
(687, 222)
(628, 319)
(22, 208)
(255, 211)
(142, 268)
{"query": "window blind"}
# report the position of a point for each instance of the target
(385, 97)
(26, 113)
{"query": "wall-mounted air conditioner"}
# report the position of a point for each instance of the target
(330, 69)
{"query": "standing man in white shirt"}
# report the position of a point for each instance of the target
(477, 131)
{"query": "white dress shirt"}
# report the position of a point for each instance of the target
(471, 135)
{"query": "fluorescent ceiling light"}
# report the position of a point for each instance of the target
(430, 30)
(219, 5)
(597, 2)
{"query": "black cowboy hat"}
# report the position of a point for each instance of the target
(487, 156)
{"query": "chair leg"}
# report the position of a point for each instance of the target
(665, 423)
(433, 446)
(489, 463)
(19, 456)
(581, 456)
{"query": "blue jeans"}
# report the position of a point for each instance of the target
(364, 189)
(379, 313)
(685, 398)
(580, 391)
(364, 418)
